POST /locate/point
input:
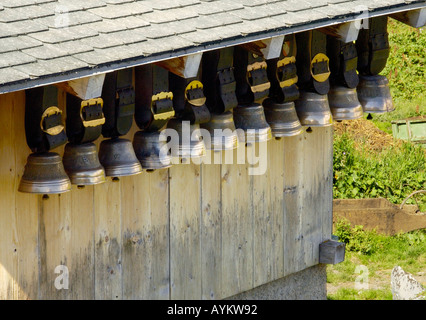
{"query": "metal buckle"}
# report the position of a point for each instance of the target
(161, 97)
(281, 64)
(323, 76)
(194, 93)
(259, 68)
(51, 111)
(90, 103)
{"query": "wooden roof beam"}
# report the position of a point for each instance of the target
(268, 48)
(346, 32)
(84, 88)
(413, 18)
(185, 67)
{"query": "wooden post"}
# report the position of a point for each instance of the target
(268, 48)
(185, 67)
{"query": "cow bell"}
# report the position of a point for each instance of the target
(252, 122)
(118, 158)
(313, 109)
(82, 164)
(151, 151)
(189, 142)
(374, 94)
(282, 118)
(222, 132)
(344, 103)
(44, 174)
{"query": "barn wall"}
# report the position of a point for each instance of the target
(194, 231)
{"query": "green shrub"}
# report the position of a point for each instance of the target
(393, 173)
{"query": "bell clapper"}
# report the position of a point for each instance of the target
(45, 197)
(277, 138)
(80, 187)
(115, 179)
(309, 130)
(369, 117)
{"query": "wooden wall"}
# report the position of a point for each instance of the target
(204, 231)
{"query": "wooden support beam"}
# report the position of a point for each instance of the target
(84, 88)
(414, 18)
(331, 252)
(185, 67)
(268, 48)
(346, 32)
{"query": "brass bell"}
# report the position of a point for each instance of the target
(82, 164)
(222, 132)
(251, 120)
(344, 103)
(151, 151)
(189, 142)
(374, 94)
(118, 158)
(44, 173)
(313, 109)
(282, 118)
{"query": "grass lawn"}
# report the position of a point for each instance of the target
(369, 164)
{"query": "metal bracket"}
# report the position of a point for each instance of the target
(51, 111)
(194, 93)
(92, 103)
(319, 60)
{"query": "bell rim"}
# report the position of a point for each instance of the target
(82, 179)
(263, 135)
(124, 170)
(48, 187)
(228, 143)
(281, 132)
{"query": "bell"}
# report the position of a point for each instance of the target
(44, 173)
(190, 142)
(374, 94)
(251, 120)
(222, 132)
(118, 158)
(82, 164)
(282, 118)
(344, 103)
(151, 151)
(313, 109)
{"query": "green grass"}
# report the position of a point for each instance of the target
(379, 254)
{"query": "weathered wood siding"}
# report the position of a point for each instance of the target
(193, 231)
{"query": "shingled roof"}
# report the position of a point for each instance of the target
(48, 41)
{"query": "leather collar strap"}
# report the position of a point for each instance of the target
(118, 97)
(282, 73)
(312, 62)
(373, 46)
(343, 62)
(189, 99)
(43, 119)
(219, 80)
(154, 100)
(84, 119)
(250, 76)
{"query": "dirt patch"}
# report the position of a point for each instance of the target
(363, 131)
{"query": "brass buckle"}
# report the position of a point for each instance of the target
(195, 85)
(320, 77)
(47, 113)
(89, 103)
(282, 63)
(254, 67)
(162, 96)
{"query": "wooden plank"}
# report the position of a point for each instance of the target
(327, 185)
(211, 231)
(237, 227)
(414, 18)
(145, 236)
(8, 246)
(268, 216)
(293, 237)
(108, 271)
(26, 209)
(185, 255)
